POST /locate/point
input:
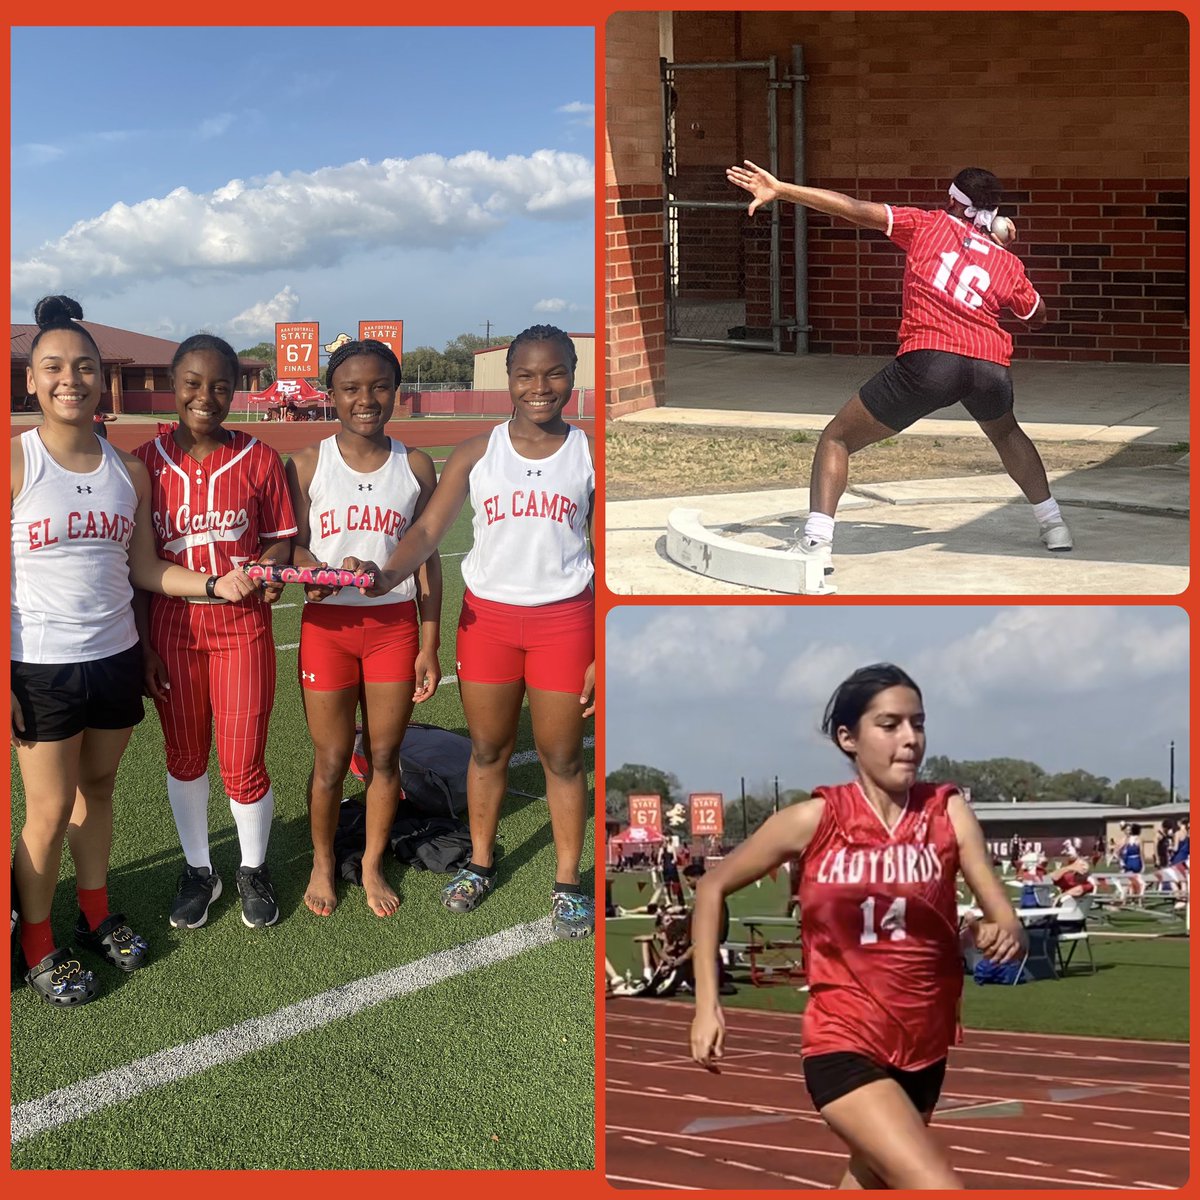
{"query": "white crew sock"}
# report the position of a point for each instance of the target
(253, 823)
(189, 805)
(1047, 512)
(819, 527)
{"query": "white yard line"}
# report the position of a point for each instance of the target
(115, 1086)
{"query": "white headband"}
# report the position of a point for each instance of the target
(982, 216)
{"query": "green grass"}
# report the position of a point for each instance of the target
(1140, 989)
(409, 1083)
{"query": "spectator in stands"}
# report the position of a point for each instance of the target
(1070, 850)
(670, 874)
(1183, 846)
(1014, 852)
(667, 953)
(1163, 844)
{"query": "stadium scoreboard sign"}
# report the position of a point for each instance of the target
(391, 333)
(645, 812)
(296, 346)
(708, 814)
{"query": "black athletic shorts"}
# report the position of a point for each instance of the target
(922, 381)
(831, 1076)
(59, 700)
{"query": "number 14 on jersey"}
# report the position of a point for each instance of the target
(892, 924)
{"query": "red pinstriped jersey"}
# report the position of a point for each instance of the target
(956, 282)
(879, 928)
(213, 515)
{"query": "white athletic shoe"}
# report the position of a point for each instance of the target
(815, 548)
(1056, 536)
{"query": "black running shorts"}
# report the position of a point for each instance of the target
(920, 382)
(831, 1076)
(59, 700)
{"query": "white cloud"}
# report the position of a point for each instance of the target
(260, 318)
(38, 154)
(1060, 650)
(579, 108)
(307, 219)
(686, 650)
(555, 305)
(814, 674)
(212, 127)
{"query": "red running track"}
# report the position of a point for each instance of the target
(1018, 1110)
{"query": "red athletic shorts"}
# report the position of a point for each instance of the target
(341, 646)
(549, 646)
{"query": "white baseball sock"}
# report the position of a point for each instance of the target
(819, 527)
(1047, 512)
(189, 806)
(253, 823)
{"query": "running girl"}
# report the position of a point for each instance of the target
(879, 859)
(528, 615)
(355, 495)
(219, 501)
(81, 529)
(957, 279)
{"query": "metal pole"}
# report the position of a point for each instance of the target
(800, 174)
(776, 793)
(745, 823)
(773, 152)
(1172, 772)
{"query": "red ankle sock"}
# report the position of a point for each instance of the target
(37, 940)
(93, 903)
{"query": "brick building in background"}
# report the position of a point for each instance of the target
(1083, 116)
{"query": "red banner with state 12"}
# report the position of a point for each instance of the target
(296, 350)
(708, 814)
(390, 333)
(645, 812)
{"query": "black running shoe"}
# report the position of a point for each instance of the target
(258, 896)
(198, 888)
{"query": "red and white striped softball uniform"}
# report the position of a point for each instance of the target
(879, 929)
(212, 515)
(956, 282)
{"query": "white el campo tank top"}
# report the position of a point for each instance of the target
(71, 598)
(352, 514)
(530, 523)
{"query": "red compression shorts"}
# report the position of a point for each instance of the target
(342, 645)
(549, 646)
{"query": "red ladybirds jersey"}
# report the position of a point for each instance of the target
(956, 281)
(879, 927)
(213, 515)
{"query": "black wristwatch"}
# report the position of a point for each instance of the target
(210, 588)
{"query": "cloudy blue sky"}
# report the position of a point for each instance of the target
(715, 693)
(178, 179)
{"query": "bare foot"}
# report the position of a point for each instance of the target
(321, 895)
(381, 900)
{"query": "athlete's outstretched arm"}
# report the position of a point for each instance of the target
(1002, 936)
(425, 534)
(781, 837)
(765, 188)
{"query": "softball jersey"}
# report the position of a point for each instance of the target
(530, 523)
(71, 599)
(956, 282)
(880, 929)
(353, 514)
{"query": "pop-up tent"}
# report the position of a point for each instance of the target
(299, 393)
(630, 840)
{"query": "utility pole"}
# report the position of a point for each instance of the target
(745, 823)
(776, 793)
(1172, 772)
(487, 336)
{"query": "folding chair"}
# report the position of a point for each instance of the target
(1074, 932)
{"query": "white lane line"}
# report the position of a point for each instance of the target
(1089, 1174)
(1164, 1133)
(1159, 1187)
(1032, 1162)
(968, 1150)
(639, 1141)
(653, 1183)
(1112, 1125)
(681, 1150)
(81, 1099)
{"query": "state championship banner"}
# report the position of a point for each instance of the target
(390, 333)
(645, 812)
(296, 350)
(708, 814)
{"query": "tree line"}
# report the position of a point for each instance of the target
(455, 365)
(993, 780)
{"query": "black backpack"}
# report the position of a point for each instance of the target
(434, 763)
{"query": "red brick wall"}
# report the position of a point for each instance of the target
(633, 224)
(1082, 115)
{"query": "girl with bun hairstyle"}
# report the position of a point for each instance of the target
(82, 540)
(879, 857)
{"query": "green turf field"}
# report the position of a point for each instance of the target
(1139, 990)
(492, 1068)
